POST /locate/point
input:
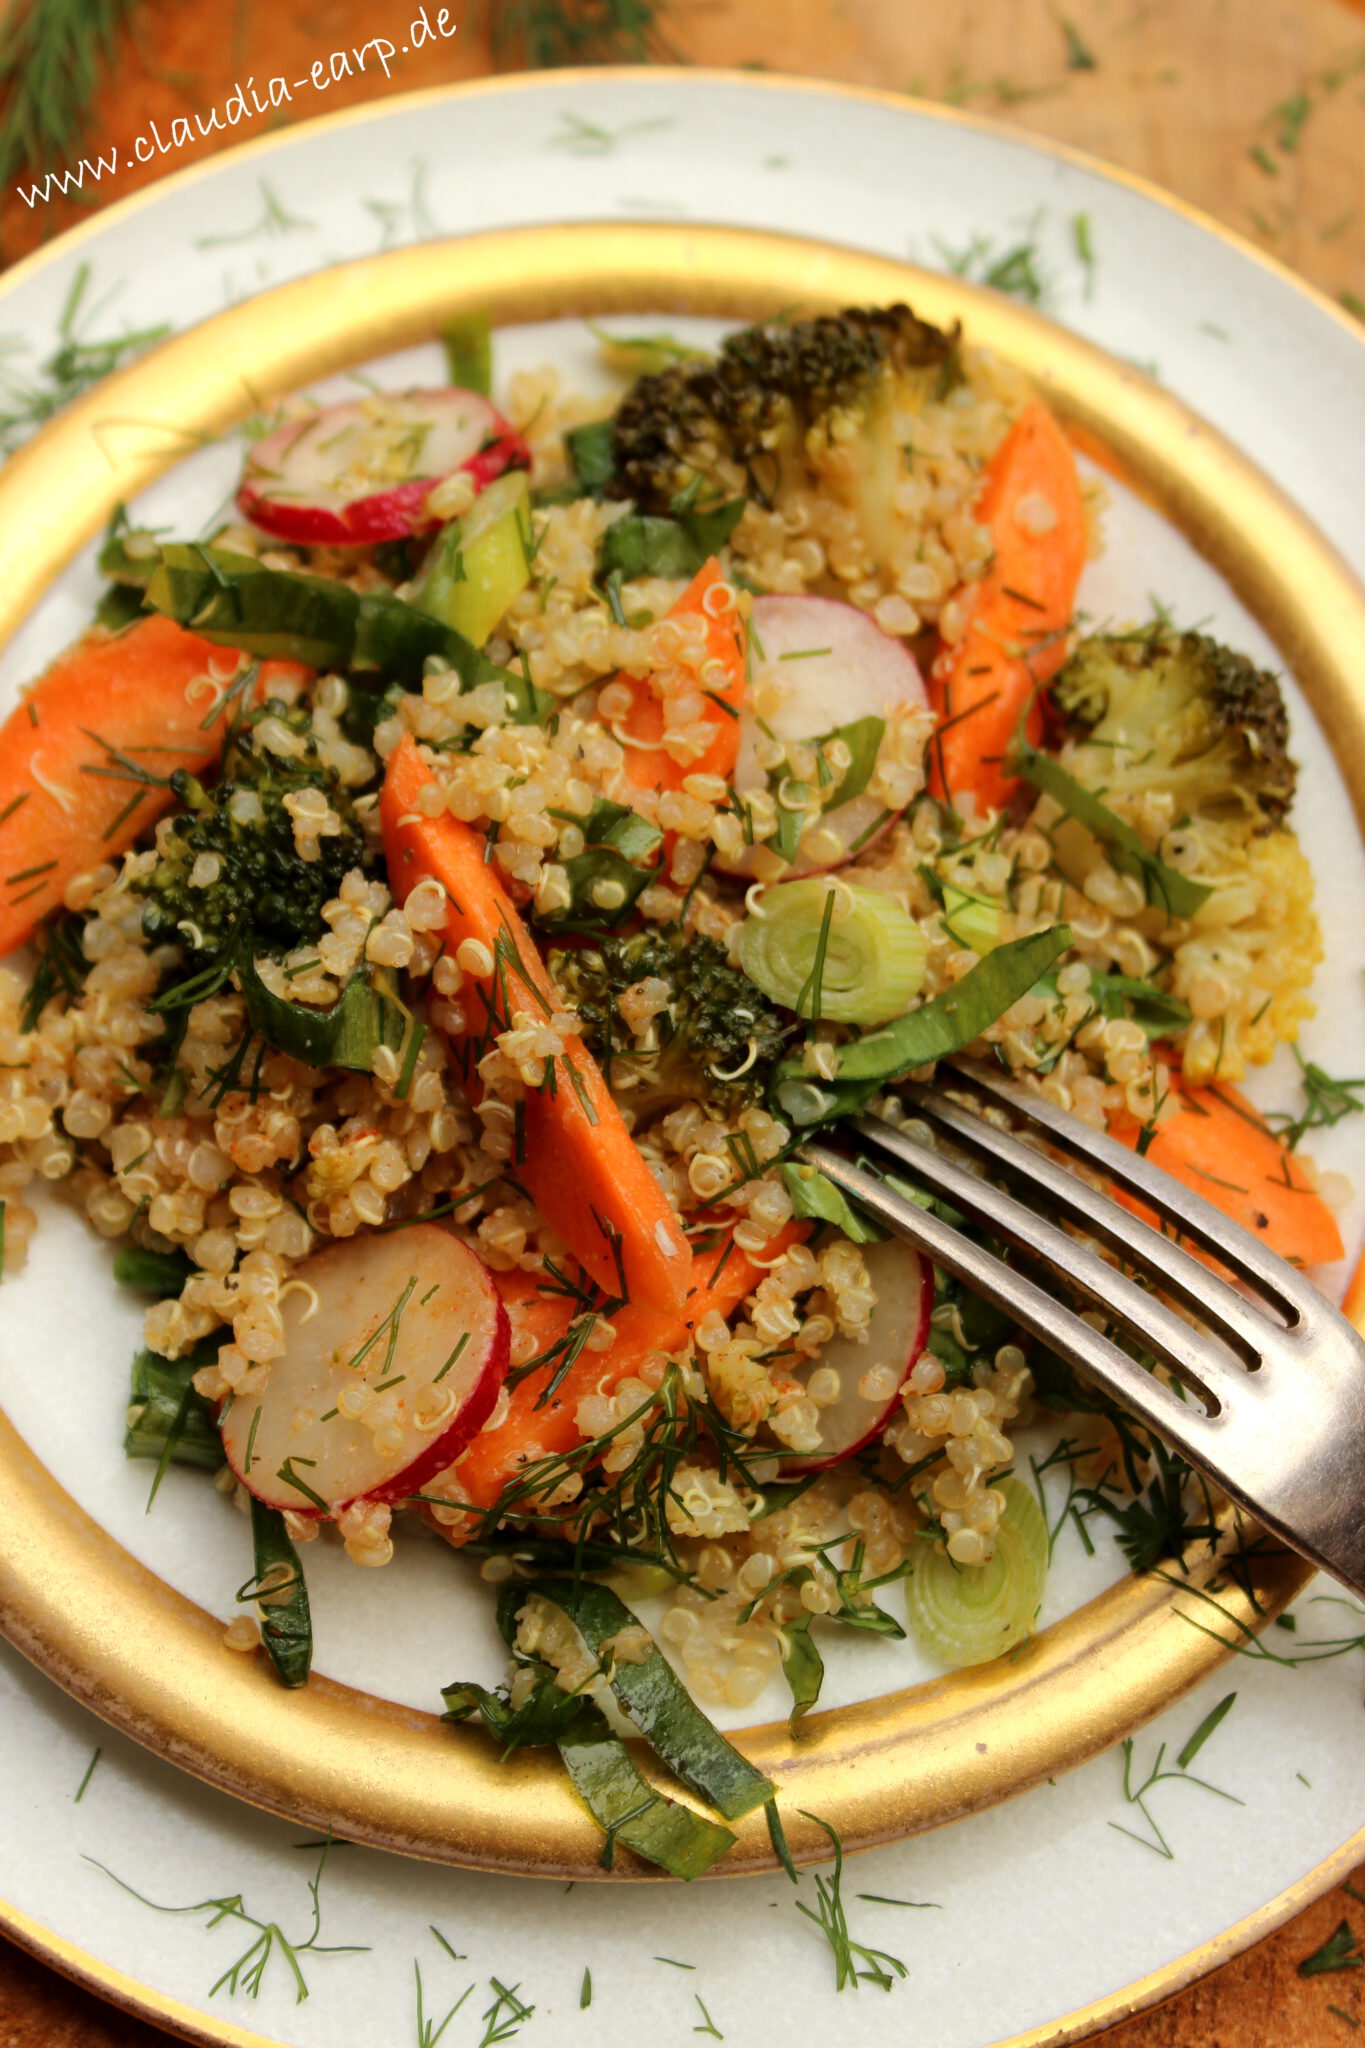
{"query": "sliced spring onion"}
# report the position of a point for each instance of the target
(468, 341)
(968, 1614)
(167, 1419)
(345, 1036)
(870, 963)
(480, 564)
(941, 1026)
(656, 1701)
(280, 1596)
(630, 1810)
(1165, 887)
(974, 921)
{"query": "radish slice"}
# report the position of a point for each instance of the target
(412, 1320)
(904, 1285)
(363, 471)
(828, 664)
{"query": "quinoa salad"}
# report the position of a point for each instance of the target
(455, 888)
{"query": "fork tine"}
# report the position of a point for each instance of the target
(1238, 1321)
(1048, 1319)
(1196, 1219)
(1187, 1351)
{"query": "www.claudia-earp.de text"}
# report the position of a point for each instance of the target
(245, 101)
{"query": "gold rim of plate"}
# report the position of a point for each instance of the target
(83, 1609)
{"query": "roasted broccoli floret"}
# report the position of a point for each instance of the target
(824, 402)
(1185, 716)
(715, 1037)
(262, 889)
(1187, 742)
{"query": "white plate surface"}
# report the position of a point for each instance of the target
(989, 1962)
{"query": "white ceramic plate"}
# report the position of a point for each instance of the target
(991, 1962)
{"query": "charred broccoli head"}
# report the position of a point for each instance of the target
(1185, 715)
(229, 865)
(788, 404)
(716, 1036)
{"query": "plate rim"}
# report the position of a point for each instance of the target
(1149, 1989)
(870, 1767)
(278, 141)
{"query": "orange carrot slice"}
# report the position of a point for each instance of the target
(719, 1279)
(582, 1167)
(1017, 615)
(1219, 1147)
(71, 753)
(648, 764)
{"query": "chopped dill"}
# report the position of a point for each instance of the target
(1340, 1951)
(710, 2027)
(1079, 55)
(1137, 1795)
(247, 1972)
(76, 363)
(89, 1774)
(832, 1920)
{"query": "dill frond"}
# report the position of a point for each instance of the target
(52, 53)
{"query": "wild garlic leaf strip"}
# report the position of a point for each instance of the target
(229, 598)
(657, 1701)
(943, 1025)
(629, 1810)
(280, 1596)
(1164, 886)
(803, 1668)
(363, 1017)
(167, 1419)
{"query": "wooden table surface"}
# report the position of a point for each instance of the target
(1251, 109)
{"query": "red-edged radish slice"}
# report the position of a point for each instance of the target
(818, 664)
(904, 1285)
(363, 471)
(409, 1319)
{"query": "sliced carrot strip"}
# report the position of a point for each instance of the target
(70, 754)
(587, 1176)
(648, 764)
(1017, 615)
(1218, 1147)
(719, 1279)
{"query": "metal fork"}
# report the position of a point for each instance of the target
(1278, 1422)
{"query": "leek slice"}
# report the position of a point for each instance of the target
(830, 949)
(937, 1028)
(974, 921)
(479, 565)
(968, 1614)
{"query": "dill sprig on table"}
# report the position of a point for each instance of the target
(545, 35)
(52, 53)
(74, 365)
